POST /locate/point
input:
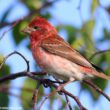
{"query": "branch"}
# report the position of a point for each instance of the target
(97, 89)
(68, 102)
(35, 95)
(79, 9)
(22, 74)
(14, 23)
(66, 93)
(98, 53)
(39, 108)
(18, 75)
(72, 96)
(51, 83)
(15, 52)
(45, 82)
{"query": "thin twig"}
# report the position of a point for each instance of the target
(79, 9)
(98, 53)
(22, 74)
(72, 96)
(97, 89)
(65, 92)
(39, 108)
(68, 102)
(35, 95)
(14, 23)
(15, 52)
(45, 82)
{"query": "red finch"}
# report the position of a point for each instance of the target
(55, 56)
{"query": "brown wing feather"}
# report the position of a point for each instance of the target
(56, 45)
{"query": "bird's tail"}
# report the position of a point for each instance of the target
(94, 72)
(100, 74)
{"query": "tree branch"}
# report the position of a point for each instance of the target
(97, 89)
(45, 82)
(13, 76)
(98, 53)
(15, 52)
(68, 102)
(72, 96)
(14, 23)
(35, 95)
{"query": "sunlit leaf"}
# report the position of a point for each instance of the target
(33, 4)
(94, 5)
(87, 34)
(78, 43)
(1, 58)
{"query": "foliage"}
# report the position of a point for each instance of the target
(80, 38)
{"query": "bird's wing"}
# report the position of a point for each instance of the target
(56, 45)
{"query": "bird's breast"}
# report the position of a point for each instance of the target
(57, 66)
(42, 58)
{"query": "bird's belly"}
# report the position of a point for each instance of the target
(57, 66)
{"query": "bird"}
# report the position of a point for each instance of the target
(55, 56)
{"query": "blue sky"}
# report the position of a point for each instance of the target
(63, 12)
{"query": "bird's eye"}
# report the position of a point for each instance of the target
(35, 27)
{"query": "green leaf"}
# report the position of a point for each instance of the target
(33, 4)
(108, 9)
(5, 70)
(94, 5)
(64, 104)
(17, 32)
(87, 34)
(71, 32)
(4, 99)
(78, 43)
(27, 103)
(47, 15)
(99, 60)
(106, 34)
(76, 108)
(1, 58)
(101, 83)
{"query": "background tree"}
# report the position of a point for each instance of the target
(86, 28)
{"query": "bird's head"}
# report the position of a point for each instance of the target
(38, 27)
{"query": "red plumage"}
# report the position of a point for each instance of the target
(56, 56)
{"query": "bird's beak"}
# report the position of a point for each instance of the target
(27, 30)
